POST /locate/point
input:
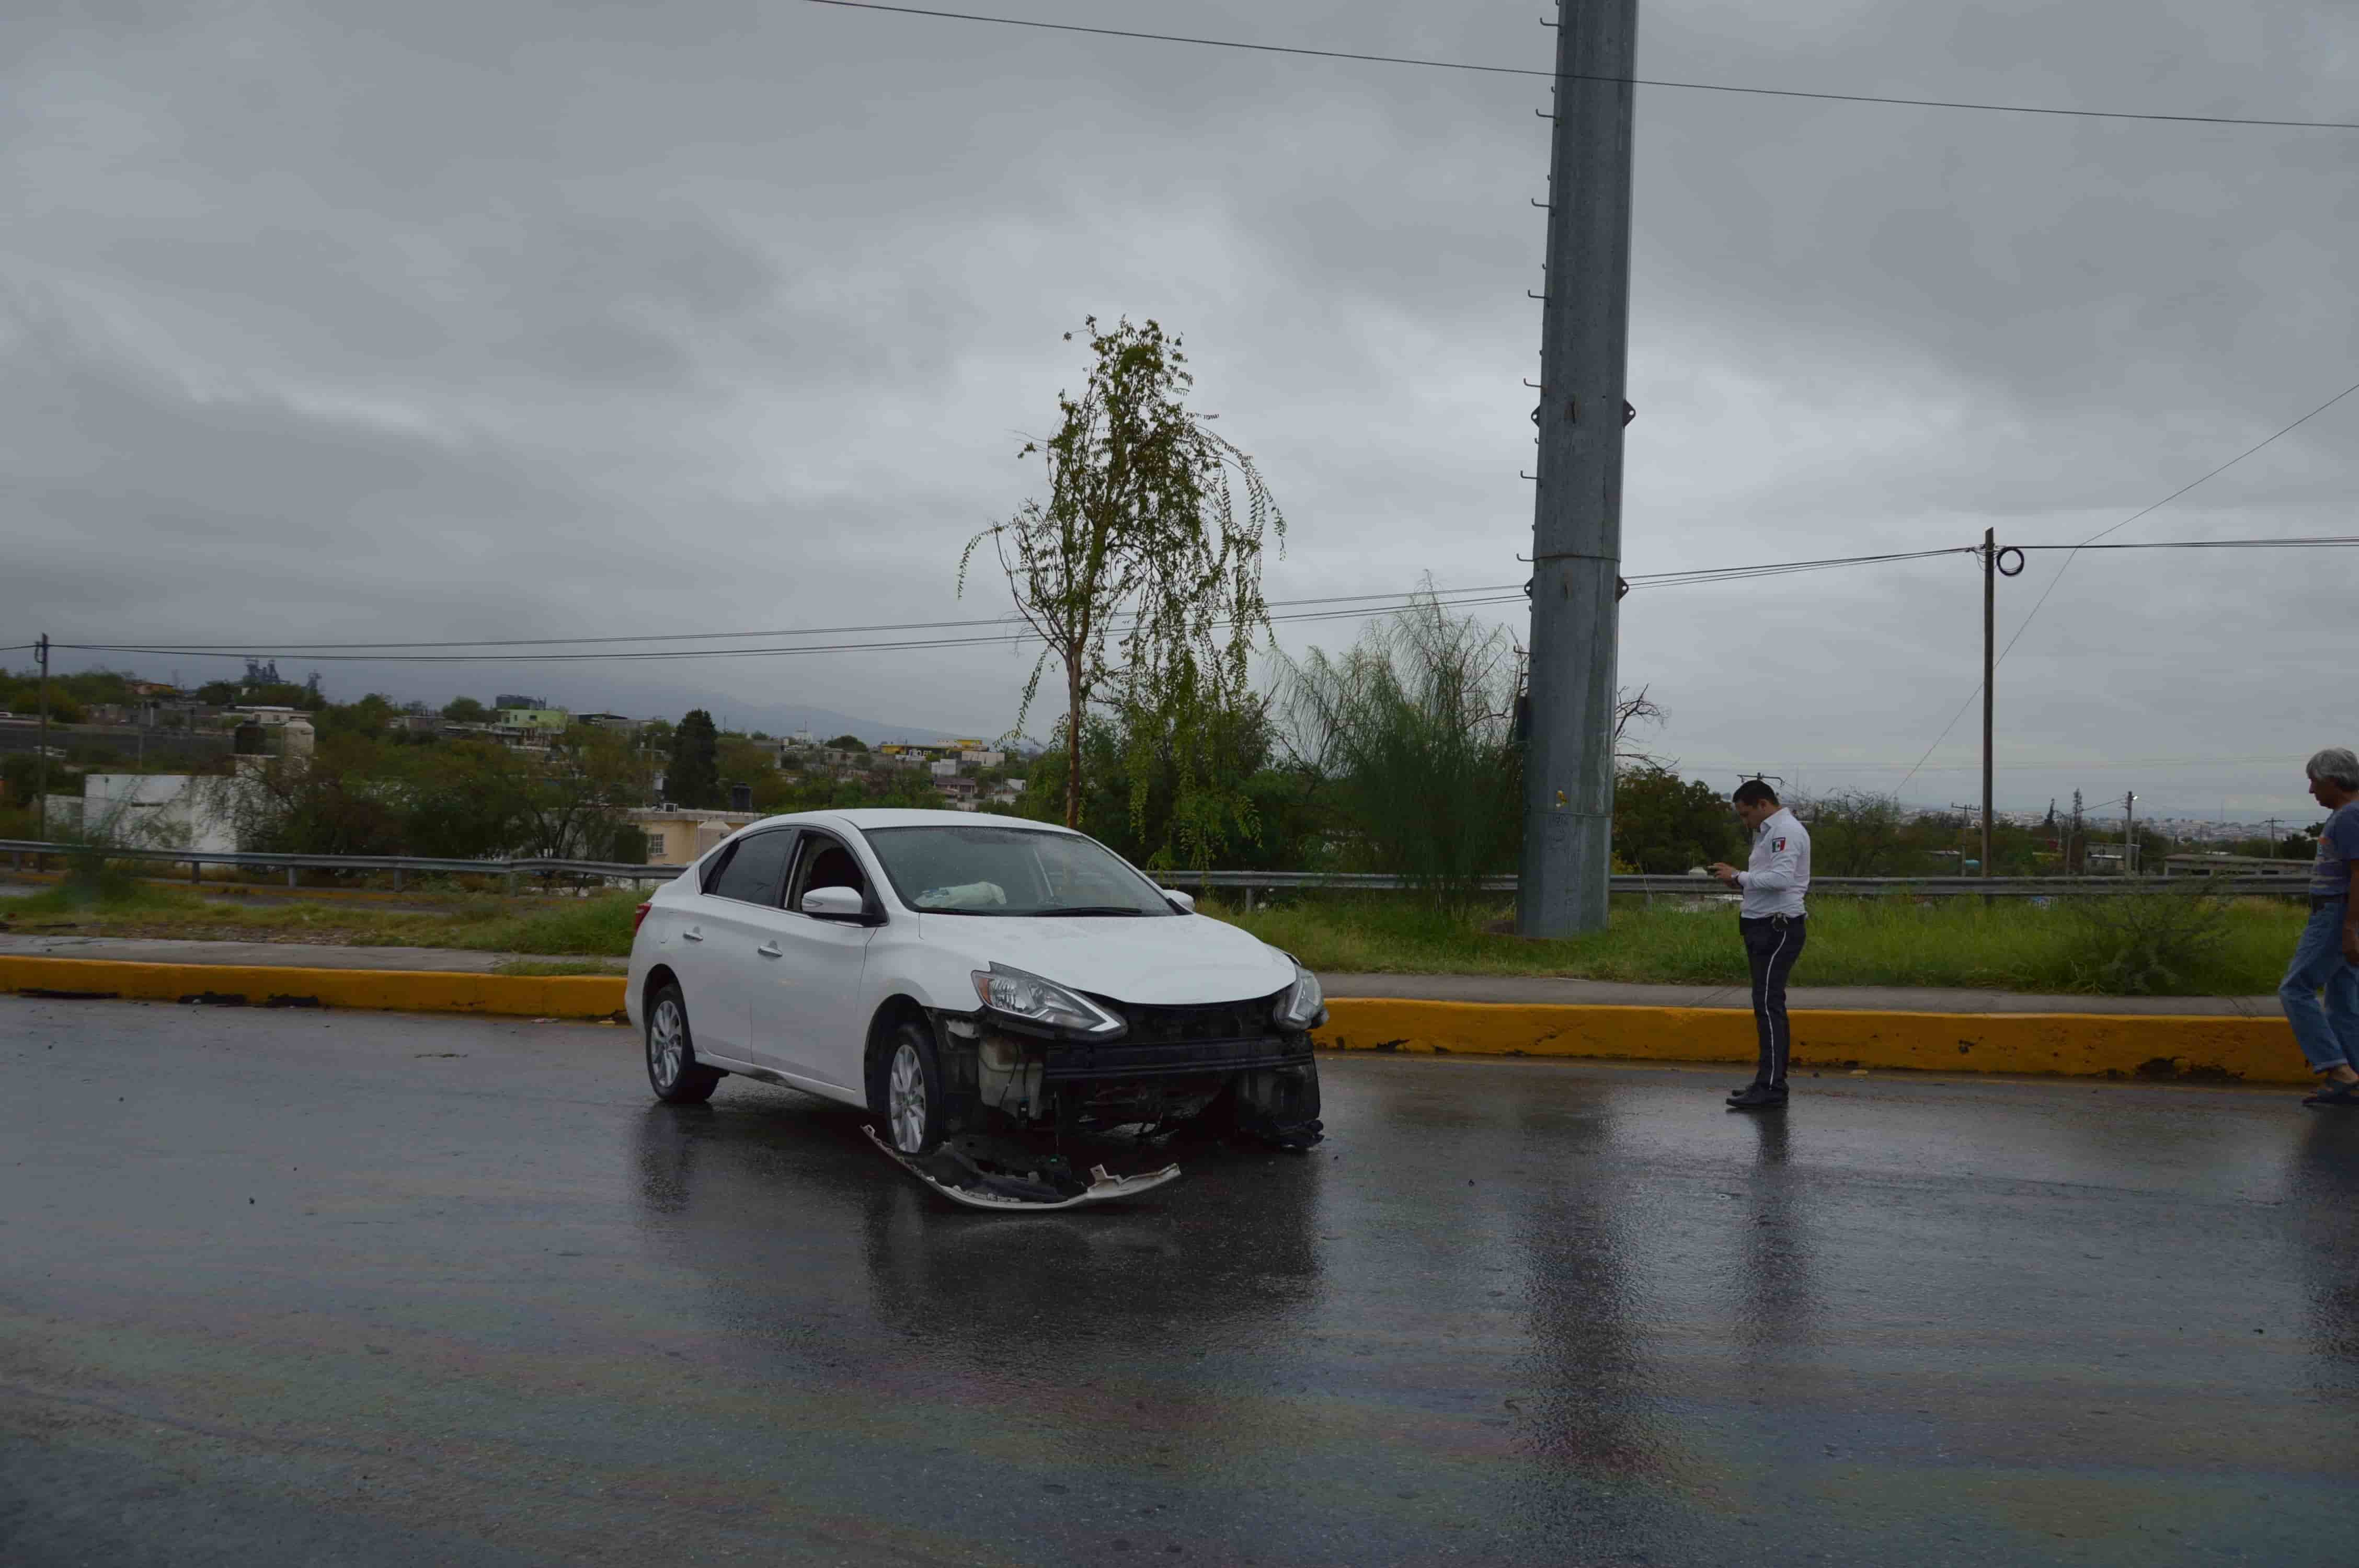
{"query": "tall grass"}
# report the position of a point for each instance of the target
(596, 927)
(1999, 945)
(1412, 733)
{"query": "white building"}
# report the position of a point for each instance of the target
(160, 811)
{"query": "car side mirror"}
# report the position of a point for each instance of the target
(834, 904)
(1185, 902)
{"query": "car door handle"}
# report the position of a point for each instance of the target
(691, 934)
(767, 951)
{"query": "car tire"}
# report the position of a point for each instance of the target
(673, 1071)
(908, 1101)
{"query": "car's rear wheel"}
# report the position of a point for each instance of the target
(911, 1090)
(677, 1076)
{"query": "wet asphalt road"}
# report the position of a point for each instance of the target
(304, 1288)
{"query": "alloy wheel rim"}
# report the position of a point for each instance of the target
(666, 1043)
(905, 1096)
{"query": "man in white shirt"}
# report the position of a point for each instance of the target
(1771, 921)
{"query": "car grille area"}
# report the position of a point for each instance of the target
(1219, 1037)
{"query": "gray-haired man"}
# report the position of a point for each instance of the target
(2327, 958)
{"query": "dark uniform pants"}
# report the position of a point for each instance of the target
(1771, 945)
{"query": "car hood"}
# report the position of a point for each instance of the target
(1150, 960)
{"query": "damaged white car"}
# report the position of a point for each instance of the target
(983, 986)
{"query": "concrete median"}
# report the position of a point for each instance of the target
(385, 991)
(2212, 1049)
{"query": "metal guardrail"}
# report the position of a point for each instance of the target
(400, 866)
(2294, 882)
(1855, 887)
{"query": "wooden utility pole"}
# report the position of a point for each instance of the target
(42, 757)
(1577, 515)
(1990, 671)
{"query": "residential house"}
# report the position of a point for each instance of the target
(614, 722)
(959, 795)
(534, 722)
(677, 834)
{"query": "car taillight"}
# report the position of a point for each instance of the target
(641, 918)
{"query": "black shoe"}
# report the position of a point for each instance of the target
(1760, 1097)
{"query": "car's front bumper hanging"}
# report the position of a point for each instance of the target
(970, 1177)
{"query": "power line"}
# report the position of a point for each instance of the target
(644, 654)
(2100, 533)
(1529, 70)
(1703, 575)
(2326, 541)
(1449, 599)
(241, 648)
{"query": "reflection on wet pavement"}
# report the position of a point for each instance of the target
(1511, 1312)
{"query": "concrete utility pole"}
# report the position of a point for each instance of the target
(1577, 517)
(2129, 832)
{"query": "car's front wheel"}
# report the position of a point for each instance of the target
(677, 1076)
(910, 1090)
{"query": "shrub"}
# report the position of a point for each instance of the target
(2144, 943)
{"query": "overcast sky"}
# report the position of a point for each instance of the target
(325, 322)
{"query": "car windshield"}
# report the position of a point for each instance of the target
(992, 870)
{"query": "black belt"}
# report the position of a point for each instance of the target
(1771, 919)
(2319, 901)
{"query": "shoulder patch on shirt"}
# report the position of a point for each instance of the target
(1777, 846)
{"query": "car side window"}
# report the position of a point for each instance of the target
(755, 868)
(824, 863)
(709, 880)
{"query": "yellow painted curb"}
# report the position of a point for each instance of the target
(268, 985)
(2216, 1049)
(2219, 1049)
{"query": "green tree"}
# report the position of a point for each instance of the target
(464, 799)
(694, 776)
(573, 804)
(369, 716)
(1137, 573)
(1665, 825)
(466, 710)
(847, 743)
(1856, 833)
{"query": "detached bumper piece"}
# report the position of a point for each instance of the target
(992, 1174)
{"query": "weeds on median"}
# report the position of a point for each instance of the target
(2164, 944)
(2239, 949)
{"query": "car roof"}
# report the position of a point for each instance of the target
(865, 817)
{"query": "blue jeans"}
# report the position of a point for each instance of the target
(2328, 1035)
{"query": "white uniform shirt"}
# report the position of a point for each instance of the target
(1779, 873)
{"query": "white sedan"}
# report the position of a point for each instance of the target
(966, 979)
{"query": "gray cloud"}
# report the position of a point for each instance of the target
(334, 322)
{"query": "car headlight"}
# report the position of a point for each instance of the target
(1304, 1006)
(1045, 1002)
